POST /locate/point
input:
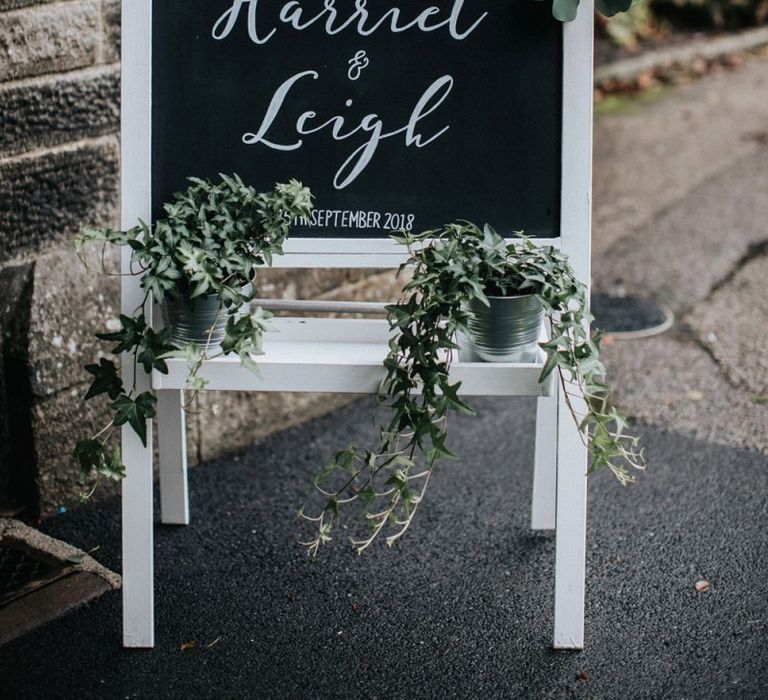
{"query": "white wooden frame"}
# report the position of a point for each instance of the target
(559, 486)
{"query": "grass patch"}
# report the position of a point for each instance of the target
(623, 104)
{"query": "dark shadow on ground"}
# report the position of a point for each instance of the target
(463, 608)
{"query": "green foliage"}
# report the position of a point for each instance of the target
(612, 7)
(565, 10)
(94, 456)
(136, 412)
(629, 29)
(129, 335)
(106, 380)
(711, 13)
(452, 267)
(212, 241)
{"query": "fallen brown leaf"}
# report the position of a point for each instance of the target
(582, 676)
(188, 645)
(702, 586)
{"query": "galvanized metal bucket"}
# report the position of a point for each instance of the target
(201, 320)
(508, 330)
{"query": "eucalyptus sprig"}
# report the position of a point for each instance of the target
(212, 241)
(452, 267)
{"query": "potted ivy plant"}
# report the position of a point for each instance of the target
(455, 269)
(199, 262)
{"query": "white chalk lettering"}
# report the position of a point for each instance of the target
(274, 107)
(371, 125)
(229, 19)
(292, 13)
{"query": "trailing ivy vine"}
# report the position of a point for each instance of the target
(453, 266)
(212, 241)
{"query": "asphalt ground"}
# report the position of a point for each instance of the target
(462, 608)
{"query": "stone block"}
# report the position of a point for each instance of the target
(49, 198)
(70, 303)
(317, 283)
(58, 422)
(383, 286)
(6, 5)
(111, 19)
(46, 112)
(49, 39)
(282, 283)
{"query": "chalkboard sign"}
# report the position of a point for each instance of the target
(397, 113)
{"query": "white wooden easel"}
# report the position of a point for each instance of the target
(344, 355)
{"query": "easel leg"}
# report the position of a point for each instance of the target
(570, 538)
(545, 463)
(172, 444)
(138, 559)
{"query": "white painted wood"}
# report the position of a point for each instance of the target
(337, 260)
(361, 246)
(320, 306)
(344, 356)
(351, 252)
(350, 359)
(576, 200)
(172, 451)
(570, 537)
(571, 508)
(138, 587)
(545, 463)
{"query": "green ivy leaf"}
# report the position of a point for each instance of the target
(565, 10)
(612, 7)
(107, 381)
(112, 466)
(135, 412)
(450, 392)
(88, 454)
(93, 456)
(129, 336)
(155, 347)
(243, 335)
(192, 353)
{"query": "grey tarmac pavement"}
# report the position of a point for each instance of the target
(651, 153)
(696, 241)
(461, 609)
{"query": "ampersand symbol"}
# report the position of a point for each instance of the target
(356, 65)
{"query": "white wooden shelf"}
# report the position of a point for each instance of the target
(344, 356)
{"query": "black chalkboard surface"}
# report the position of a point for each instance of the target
(397, 113)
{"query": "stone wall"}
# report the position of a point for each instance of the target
(59, 151)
